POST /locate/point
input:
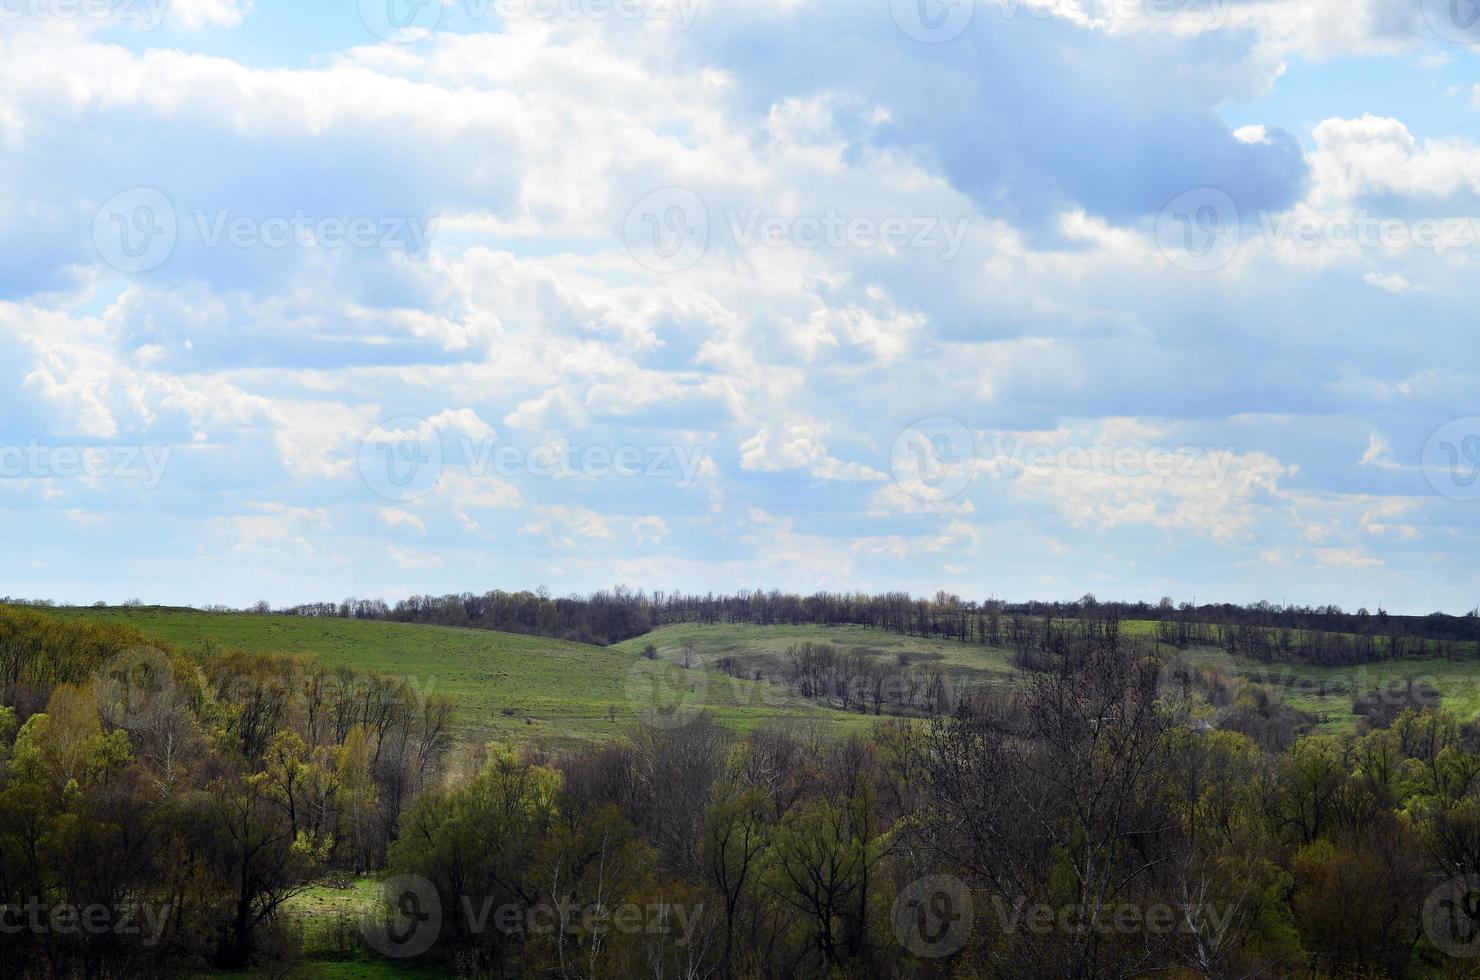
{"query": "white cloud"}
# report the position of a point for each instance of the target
(1394, 282)
(394, 517)
(1378, 155)
(798, 445)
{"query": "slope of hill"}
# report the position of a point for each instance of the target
(764, 648)
(544, 690)
(505, 685)
(1325, 692)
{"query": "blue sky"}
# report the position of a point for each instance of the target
(1015, 299)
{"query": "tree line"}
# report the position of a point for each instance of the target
(1324, 635)
(1115, 817)
(1318, 635)
(158, 806)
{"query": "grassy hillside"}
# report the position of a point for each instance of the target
(532, 688)
(505, 685)
(763, 648)
(1326, 692)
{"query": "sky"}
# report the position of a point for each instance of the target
(1011, 298)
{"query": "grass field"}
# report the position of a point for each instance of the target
(328, 921)
(764, 648)
(506, 686)
(543, 690)
(1327, 692)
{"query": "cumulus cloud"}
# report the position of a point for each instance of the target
(1044, 146)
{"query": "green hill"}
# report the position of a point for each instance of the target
(536, 689)
(764, 648)
(528, 688)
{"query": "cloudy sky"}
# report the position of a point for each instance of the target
(1015, 298)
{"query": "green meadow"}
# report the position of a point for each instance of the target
(1327, 692)
(533, 689)
(764, 648)
(506, 686)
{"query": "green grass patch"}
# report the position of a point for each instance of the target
(763, 648)
(535, 689)
(1328, 692)
(507, 686)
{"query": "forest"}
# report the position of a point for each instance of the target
(1268, 632)
(1123, 812)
